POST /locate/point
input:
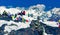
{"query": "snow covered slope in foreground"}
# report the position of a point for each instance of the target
(13, 25)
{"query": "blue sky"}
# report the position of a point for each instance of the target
(27, 3)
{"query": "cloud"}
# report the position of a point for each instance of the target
(38, 7)
(49, 13)
(56, 11)
(11, 10)
(2, 8)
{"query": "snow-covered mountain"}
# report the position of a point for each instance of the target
(37, 10)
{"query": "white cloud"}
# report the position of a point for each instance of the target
(49, 13)
(56, 11)
(2, 8)
(11, 10)
(38, 7)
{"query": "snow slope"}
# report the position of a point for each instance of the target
(16, 25)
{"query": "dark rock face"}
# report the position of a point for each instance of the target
(51, 30)
(37, 27)
(27, 31)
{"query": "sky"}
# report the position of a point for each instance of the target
(27, 3)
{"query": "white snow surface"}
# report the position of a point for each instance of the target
(13, 27)
(52, 23)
